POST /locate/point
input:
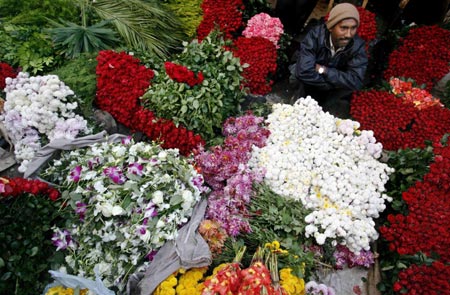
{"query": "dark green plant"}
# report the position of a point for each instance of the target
(410, 166)
(274, 218)
(26, 47)
(253, 7)
(72, 39)
(26, 251)
(79, 74)
(25, 12)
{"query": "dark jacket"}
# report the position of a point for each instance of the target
(346, 69)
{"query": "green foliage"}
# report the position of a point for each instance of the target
(253, 7)
(410, 166)
(274, 218)
(189, 12)
(26, 12)
(144, 25)
(72, 39)
(26, 252)
(79, 74)
(28, 48)
(204, 107)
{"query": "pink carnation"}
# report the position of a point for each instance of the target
(263, 25)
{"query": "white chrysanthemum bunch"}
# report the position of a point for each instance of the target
(36, 112)
(328, 165)
(129, 199)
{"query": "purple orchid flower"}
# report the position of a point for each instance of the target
(136, 169)
(75, 174)
(115, 174)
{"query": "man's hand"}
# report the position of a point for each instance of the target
(321, 69)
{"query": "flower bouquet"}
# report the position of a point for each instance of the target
(127, 200)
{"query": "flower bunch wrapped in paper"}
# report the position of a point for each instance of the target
(128, 199)
(331, 167)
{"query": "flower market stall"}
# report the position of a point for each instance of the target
(200, 192)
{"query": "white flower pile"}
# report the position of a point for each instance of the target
(37, 111)
(328, 165)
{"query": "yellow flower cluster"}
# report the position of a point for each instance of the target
(60, 290)
(291, 283)
(183, 282)
(274, 247)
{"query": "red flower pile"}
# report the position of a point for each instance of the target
(13, 187)
(121, 81)
(426, 228)
(424, 55)
(182, 74)
(419, 97)
(424, 280)
(6, 71)
(261, 56)
(223, 15)
(398, 124)
(368, 25)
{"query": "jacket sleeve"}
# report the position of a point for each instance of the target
(353, 76)
(305, 69)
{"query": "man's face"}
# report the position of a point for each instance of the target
(343, 32)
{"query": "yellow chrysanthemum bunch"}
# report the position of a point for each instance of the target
(167, 287)
(291, 283)
(60, 290)
(191, 282)
(183, 282)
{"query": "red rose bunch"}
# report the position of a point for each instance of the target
(121, 81)
(223, 15)
(367, 29)
(426, 228)
(182, 74)
(13, 187)
(261, 56)
(422, 55)
(424, 279)
(6, 71)
(398, 124)
(166, 132)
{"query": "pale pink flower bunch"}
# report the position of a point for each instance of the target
(263, 25)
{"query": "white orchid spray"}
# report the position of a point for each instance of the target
(331, 167)
(128, 199)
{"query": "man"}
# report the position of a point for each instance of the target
(332, 61)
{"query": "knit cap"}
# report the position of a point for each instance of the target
(340, 12)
